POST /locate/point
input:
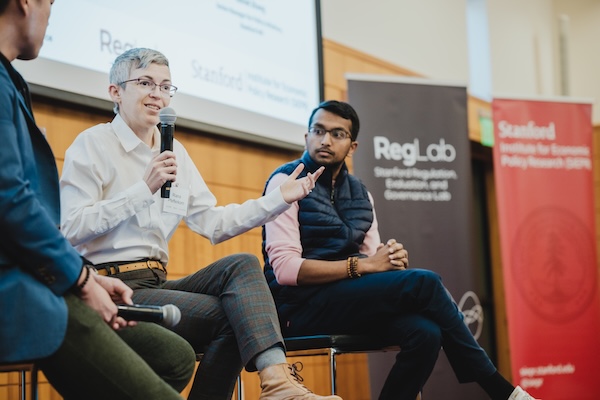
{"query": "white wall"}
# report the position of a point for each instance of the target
(521, 42)
(583, 48)
(429, 37)
(425, 36)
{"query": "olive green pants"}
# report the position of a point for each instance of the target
(95, 362)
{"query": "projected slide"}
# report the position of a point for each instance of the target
(260, 56)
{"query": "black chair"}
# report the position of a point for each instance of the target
(23, 368)
(333, 345)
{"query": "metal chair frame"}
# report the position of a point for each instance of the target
(300, 346)
(334, 345)
(23, 368)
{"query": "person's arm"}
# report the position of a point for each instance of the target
(219, 223)
(372, 240)
(283, 246)
(29, 236)
(388, 257)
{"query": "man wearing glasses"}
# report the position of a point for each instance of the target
(113, 213)
(330, 273)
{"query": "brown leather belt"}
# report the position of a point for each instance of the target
(108, 269)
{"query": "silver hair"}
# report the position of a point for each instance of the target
(137, 58)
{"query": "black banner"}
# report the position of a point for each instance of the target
(414, 157)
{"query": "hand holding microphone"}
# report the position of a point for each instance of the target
(169, 315)
(167, 118)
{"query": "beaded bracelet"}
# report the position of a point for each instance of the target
(348, 268)
(352, 267)
(78, 288)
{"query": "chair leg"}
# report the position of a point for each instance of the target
(240, 392)
(34, 383)
(332, 370)
(23, 384)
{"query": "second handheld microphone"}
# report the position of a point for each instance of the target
(168, 315)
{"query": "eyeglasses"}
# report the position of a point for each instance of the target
(166, 89)
(336, 134)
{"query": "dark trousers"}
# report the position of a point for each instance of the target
(410, 308)
(95, 362)
(227, 312)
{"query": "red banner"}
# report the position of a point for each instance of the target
(544, 182)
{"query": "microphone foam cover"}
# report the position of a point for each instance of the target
(167, 116)
(171, 315)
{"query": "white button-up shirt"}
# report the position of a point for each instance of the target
(109, 214)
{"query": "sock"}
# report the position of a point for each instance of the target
(272, 356)
(496, 386)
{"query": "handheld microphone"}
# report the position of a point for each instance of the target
(167, 118)
(168, 315)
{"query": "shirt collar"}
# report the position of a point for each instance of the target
(128, 138)
(18, 81)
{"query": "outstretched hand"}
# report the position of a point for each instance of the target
(294, 189)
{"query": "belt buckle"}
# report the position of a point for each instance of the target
(148, 264)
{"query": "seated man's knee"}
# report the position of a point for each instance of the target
(244, 261)
(243, 266)
(427, 275)
(427, 278)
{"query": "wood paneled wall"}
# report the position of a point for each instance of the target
(236, 171)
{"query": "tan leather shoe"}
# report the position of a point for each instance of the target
(282, 382)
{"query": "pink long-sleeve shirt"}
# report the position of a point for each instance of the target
(283, 244)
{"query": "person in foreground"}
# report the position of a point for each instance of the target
(330, 273)
(114, 214)
(54, 310)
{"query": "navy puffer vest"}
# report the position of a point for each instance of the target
(333, 224)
